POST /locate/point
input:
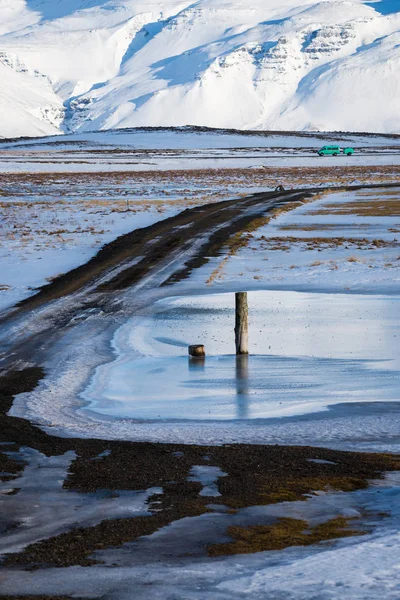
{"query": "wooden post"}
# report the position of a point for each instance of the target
(242, 324)
(197, 351)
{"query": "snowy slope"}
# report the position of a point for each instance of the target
(70, 65)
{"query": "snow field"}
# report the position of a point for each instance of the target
(53, 221)
(43, 239)
(348, 241)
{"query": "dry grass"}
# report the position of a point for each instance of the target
(284, 533)
(322, 227)
(324, 243)
(377, 193)
(372, 208)
(218, 272)
(224, 180)
(53, 277)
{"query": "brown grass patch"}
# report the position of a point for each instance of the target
(322, 227)
(372, 208)
(324, 243)
(226, 180)
(282, 534)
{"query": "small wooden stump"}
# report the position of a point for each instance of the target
(197, 351)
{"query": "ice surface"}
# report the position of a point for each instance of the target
(45, 508)
(309, 352)
(208, 476)
(303, 330)
(358, 568)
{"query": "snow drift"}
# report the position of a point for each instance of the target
(70, 65)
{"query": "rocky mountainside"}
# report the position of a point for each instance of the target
(79, 65)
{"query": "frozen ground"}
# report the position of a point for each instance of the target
(358, 568)
(340, 242)
(53, 221)
(42, 508)
(347, 241)
(187, 148)
(324, 368)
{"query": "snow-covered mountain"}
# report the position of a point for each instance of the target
(69, 65)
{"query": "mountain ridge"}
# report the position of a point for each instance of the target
(80, 65)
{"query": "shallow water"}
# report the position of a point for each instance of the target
(309, 351)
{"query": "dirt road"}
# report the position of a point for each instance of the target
(158, 255)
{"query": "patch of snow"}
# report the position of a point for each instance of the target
(361, 252)
(46, 239)
(320, 461)
(208, 476)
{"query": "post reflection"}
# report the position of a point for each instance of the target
(197, 363)
(242, 386)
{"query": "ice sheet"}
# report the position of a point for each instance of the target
(308, 352)
(302, 329)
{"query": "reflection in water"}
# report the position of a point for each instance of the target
(197, 363)
(321, 350)
(242, 386)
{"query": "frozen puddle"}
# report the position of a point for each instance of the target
(208, 476)
(309, 352)
(42, 508)
(324, 371)
(227, 388)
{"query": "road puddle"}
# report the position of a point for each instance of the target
(308, 352)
